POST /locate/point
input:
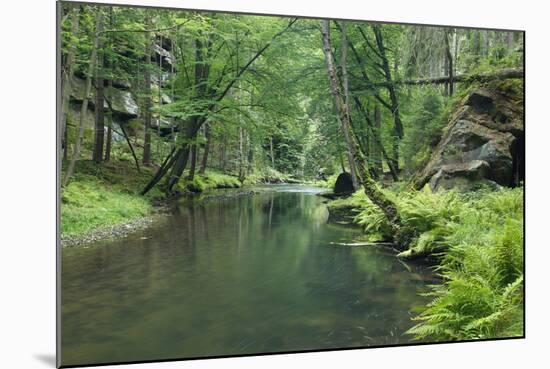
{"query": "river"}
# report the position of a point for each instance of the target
(232, 276)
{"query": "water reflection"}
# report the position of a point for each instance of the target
(234, 276)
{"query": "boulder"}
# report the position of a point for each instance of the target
(122, 101)
(479, 145)
(344, 184)
(462, 176)
(121, 84)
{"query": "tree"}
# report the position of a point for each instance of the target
(84, 106)
(100, 96)
(147, 98)
(370, 187)
(66, 76)
(345, 85)
(398, 126)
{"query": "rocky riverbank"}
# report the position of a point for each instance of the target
(108, 232)
(162, 209)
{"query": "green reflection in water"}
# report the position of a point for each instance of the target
(242, 275)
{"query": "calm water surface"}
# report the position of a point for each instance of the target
(242, 275)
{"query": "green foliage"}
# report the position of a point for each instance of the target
(482, 293)
(423, 124)
(479, 238)
(268, 175)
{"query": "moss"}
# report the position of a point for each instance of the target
(209, 181)
(87, 204)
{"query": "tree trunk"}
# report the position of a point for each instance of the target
(371, 188)
(510, 41)
(67, 74)
(130, 146)
(147, 100)
(344, 120)
(182, 156)
(241, 156)
(271, 153)
(99, 138)
(193, 165)
(250, 155)
(449, 64)
(178, 160)
(222, 154)
(379, 150)
(84, 107)
(379, 145)
(159, 97)
(398, 125)
(345, 84)
(468, 78)
(111, 65)
(204, 161)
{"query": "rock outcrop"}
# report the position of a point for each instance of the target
(482, 144)
(120, 96)
(344, 184)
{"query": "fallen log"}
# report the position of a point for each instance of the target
(480, 77)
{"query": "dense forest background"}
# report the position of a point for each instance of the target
(249, 95)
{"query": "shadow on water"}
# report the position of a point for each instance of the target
(240, 275)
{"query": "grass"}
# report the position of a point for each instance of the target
(108, 194)
(88, 204)
(478, 239)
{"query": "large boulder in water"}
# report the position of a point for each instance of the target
(344, 184)
(482, 144)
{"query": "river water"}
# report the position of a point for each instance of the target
(241, 275)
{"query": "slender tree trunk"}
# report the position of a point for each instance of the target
(111, 66)
(271, 153)
(380, 147)
(455, 57)
(250, 155)
(345, 84)
(449, 87)
(182, 157)
(204, 161)
(510, 41)
(99, 138)
(67, 74)
(159, 103)
(147, 101)
(222, 153)
(125, 134)
(371, 188)
(66, 141)
(241, 155)
(379, 150)
(178, 160)
(398, 125)
(193, 159)
(345, 121)
(84, 107)
(506, 73)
